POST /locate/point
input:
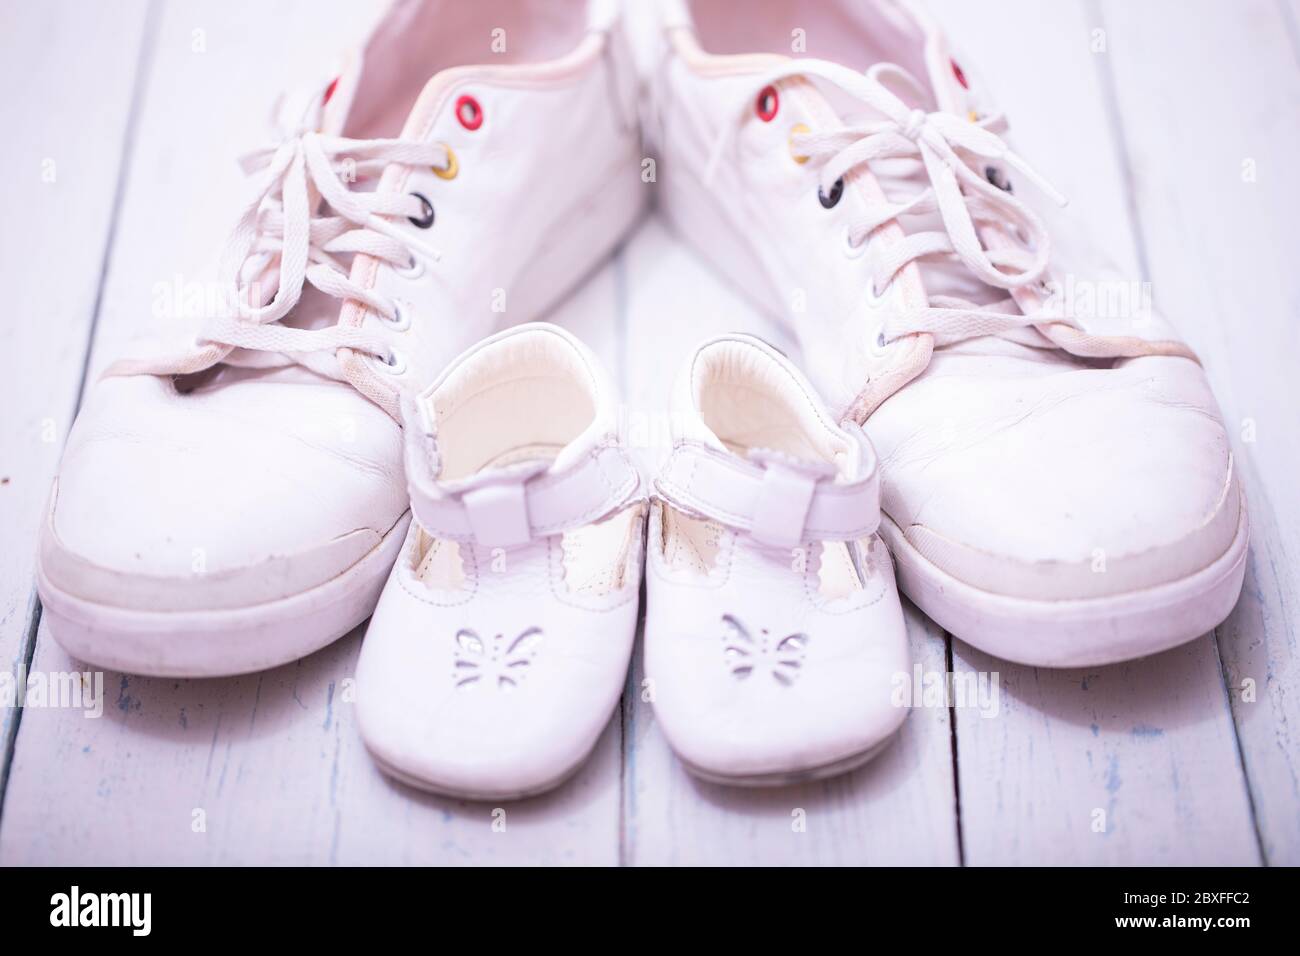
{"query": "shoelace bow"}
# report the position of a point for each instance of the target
(280, 237)
(964, 200)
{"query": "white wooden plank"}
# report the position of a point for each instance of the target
(897, 809)
(1124, 765)
(273, 761)
(265, 769)
(1213, 130)
(64, 149)
(1150, 744)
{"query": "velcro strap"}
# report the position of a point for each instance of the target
(779, 500)
(510, 506)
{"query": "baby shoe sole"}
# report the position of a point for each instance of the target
(458, 793)
(783, 778)
(1074, 633)
(220, 643)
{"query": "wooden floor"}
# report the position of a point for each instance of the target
(1174, 126)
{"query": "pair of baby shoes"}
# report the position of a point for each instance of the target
(501, 643)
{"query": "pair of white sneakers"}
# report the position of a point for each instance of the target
(1055, 486)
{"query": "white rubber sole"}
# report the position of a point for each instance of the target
(220, 643)
(785, 778)
(477, 796)
(1076, 633)
(430, 785)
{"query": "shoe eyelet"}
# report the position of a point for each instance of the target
(798, 129)
(996, 178)
(452, 167)
(878, 345)
(960, 75)
(425, 221)
(850, 250)
(767, 104)
(831, 199)
(412, 271)
(469, 113)
(394, 363)
(401, 320)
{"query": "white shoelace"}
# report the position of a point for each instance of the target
(280, 234)
(965, 202)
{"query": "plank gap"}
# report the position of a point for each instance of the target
(1241, 755)
(143, 70)
(11, 738)
(952, 742)
(1110, 106)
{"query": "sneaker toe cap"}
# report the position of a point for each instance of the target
(172, 502)
(1080, 486)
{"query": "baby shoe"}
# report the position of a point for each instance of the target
(501, 642)
(1056, 479)
(774, 639)
(238, 501)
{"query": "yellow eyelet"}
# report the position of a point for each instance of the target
(453, 166)
(798, 129)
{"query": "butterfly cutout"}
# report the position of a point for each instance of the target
(745, 654)
(497, 662)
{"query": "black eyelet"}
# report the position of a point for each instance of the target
(837, 190)
(994, 176)
(425, 221)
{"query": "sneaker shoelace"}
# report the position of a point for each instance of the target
(999, 239)
(283, 237)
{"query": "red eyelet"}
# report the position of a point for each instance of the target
(961, 77)
(469, 112)
(329, 90)
(766, 104)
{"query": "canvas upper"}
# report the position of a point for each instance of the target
(421, 195)
(1036, 441)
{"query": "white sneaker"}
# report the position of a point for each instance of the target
(501, 643)
(1058, 486)
(238, 502)
(774, 636)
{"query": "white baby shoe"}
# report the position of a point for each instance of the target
(774, 638)
(1057, 482)
(238, 502)
(501, 642)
